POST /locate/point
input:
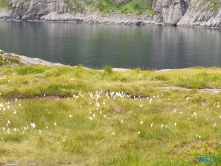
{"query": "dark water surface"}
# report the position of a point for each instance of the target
(119, 46)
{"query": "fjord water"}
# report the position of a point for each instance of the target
(148, 47)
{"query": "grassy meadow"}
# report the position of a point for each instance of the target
(77, 116)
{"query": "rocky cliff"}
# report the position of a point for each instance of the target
(203, 13)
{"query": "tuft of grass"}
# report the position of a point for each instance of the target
(108, 70)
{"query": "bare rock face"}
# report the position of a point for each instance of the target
(5, 14)
(169, 11)
(36, 9)
(202, 14)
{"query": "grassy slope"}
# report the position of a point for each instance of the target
(133, 6)
(42, 122)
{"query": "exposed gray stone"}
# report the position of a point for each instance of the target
(198, 13)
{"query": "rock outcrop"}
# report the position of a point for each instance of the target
(201, 13)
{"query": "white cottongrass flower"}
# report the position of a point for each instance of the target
(94, 115)
(220, 116)
(214, 125)
(174, 110)
(70, 116)
(8, 131)
(188, 98)
(141, 105)
(104, 116)
(97, 104)
(141, 122)
(39, 131)
(90, 118)
(162, 125)
(33, 125)
(15, 112)
(151, 125)
(100, 112)
(16, 99)
(19, 105)
(138, 132)
(175, 124)
(113, 134)
(64, 140)
(218, 106)
(198, 136)
(55, 123)
(8, 122)
(122, 121)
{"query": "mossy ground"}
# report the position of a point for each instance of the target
(76, 116)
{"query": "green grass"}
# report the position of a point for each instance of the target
(215, 5)
(3, 4)
(133, 6)
(76, 116)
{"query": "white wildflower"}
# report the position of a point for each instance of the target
(214, 125)
(70, 116)
(188, 98)
(55, 123)
(33, 125)
(122, 121)
(113, 134)
(141, 122)
(138, 132)
(175, 124)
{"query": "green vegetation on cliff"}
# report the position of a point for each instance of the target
(133, 6)
(3, 4)
(77, 116)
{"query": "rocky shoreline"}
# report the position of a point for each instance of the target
(195, 13)
(13, 59)
(87, 18)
